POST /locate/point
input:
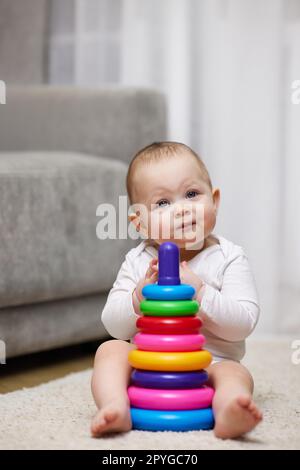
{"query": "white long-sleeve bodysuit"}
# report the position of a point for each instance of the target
(229, 307)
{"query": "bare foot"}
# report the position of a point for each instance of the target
(238, 417)
(113, 417)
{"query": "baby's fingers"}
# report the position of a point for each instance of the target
(148, 273)
(154, 275)
(154, 264)
(152, 268)
(153, 278)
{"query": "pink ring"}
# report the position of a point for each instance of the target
(148, 342)
(159, 399)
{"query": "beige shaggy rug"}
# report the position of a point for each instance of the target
(57, 415)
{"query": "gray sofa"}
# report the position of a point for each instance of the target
(63, 151)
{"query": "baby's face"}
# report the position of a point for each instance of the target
(180, 205)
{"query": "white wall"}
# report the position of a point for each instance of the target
(239, 118)
(289, 189)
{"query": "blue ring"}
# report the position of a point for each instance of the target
(157, 420)
(160, 292)
(168, 380)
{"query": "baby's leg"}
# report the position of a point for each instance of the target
(234, 410)
(109, 387)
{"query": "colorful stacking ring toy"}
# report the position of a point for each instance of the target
(158, 292)
(169, 361)
(168, 380)
(161, 399)
(162, 308)
(169, 325)
(168, 389)
(146, 342)
(156, 420)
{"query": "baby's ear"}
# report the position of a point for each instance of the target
(133, 217)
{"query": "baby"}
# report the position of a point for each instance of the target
(168, 178)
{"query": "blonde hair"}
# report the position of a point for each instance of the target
(154, 153)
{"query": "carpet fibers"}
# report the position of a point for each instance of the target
(57, 415)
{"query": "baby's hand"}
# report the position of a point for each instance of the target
(150, 278)
(187, 276)
(152, 271)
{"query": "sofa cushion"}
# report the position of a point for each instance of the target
(49, 249)
(111, 121)
(29, 328)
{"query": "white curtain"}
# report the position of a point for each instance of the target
(227, 68)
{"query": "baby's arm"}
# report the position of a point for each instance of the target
(233, 312)
(122, 306)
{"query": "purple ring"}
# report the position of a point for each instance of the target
(168, 380)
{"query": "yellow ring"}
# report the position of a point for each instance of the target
(169, 361)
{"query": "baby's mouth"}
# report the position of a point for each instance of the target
(185, 227)
(188, 225)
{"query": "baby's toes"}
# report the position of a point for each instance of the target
(110, 415)
(252, 407)
(98, 423)
(255, 412)
(244, 401)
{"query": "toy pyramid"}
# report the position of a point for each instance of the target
(168, 390)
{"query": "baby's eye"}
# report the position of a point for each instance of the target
(162, 203)
(191, 194)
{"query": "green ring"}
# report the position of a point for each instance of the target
(169, 308)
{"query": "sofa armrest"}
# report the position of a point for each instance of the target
(110, 121)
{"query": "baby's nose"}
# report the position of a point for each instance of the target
(182, 209)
